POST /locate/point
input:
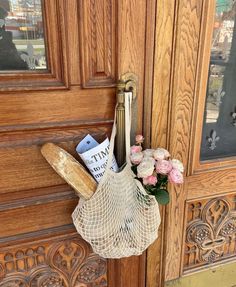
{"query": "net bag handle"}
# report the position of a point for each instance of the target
(128, 105)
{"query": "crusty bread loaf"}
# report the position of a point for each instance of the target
(70, 170)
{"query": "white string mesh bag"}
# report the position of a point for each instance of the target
(120, 219)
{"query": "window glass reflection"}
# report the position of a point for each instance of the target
(22, 45)
(219, 130)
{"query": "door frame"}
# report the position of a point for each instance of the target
(179, 87)
(164, 42)
(130, 271)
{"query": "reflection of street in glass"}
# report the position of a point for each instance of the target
(215, 93)
(39, 49)
(220, 109)
(220, 54)
(22, 45)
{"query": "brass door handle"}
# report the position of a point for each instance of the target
(127, 83)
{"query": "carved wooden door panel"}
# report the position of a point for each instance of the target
(201, 218)
(59, 63)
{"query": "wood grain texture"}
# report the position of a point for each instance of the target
(205, 42)
(24, 168)
(40, 109)
(98, 42)
(163, 60)
(211, 182)
(74, 132)
(74, 61)
(132, 19)
(149, 71)
(22, 165)
(160, 104)
(34, 200)
(131, 48)
(183, 82)
(36, 216)
(155, 257)
(208, 179)
(27, 197)
(130, 272)
(204, 179)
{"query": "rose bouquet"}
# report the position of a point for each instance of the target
(154, 168)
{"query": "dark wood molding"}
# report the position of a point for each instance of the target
(56, 76)
(38, 197)
(165, 17)
(19, 219)
(98, 33)
(56, 134)
(149, 71)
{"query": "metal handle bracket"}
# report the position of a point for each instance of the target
(127, 83)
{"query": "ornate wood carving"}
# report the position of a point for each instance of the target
(211, 231)
(62, 263)
(98, 42)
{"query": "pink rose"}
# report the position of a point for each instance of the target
(161, 153)
(136, 158)
(175, 176)
(177, 165)
(149, 159)
(150, 180)
(135, 149)
(163, 166)
(148, 152)
(139, 139)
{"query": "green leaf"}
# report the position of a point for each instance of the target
(162, 196)
(134, 169)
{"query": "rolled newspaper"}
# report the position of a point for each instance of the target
(70, 170)
(95, 156)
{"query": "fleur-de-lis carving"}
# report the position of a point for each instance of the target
(213, 230)
(2, 23)
(234, 118)
(218, 95)
(212, 140)
(30, 58)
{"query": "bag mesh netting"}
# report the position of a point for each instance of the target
(120, 219)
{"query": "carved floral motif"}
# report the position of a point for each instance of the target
(211, 232)
(24, 260)
(2, 272)
(52, 280)
(91, 269)
(14, 283)
(67, 263)
(67, 256)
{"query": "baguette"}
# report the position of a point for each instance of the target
(70, 170)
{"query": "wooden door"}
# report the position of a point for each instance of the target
(60, 61)
(194, 117)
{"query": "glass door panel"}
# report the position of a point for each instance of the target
(22, 41)
(219, 129)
